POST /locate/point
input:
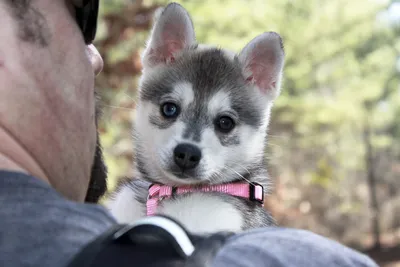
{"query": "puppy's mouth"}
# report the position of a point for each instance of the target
(179, 177)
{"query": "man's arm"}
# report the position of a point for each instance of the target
(279, 247)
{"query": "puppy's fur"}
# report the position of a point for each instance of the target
(207, 87)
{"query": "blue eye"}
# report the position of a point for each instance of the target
(169, 110)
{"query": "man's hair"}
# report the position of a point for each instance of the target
(32, 25)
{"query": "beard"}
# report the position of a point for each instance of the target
(98, 177)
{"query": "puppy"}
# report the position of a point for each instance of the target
(200, 130)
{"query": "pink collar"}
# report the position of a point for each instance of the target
(158, 192)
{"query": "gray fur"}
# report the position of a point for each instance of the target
(140, 166)
(160, 122)
(229, 140)
(209, 72)
(193, 130)
(254, 215)
(195, 119)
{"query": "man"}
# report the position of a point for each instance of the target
(48, 143)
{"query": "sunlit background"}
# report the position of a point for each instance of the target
(334, 139)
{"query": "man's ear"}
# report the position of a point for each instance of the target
(173, 31)
(262, 61)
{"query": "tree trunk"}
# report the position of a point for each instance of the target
(371, 181)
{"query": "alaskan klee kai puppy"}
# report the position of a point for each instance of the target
(200, 130)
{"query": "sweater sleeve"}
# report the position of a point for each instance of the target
(280, 247)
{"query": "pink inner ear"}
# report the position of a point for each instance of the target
(262, 66)
(262, 76)
(174, 41)
(250, 79)
(165, 54)
(171, 48)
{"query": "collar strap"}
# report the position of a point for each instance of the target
(158, 192)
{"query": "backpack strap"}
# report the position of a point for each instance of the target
(88, 254)
(152, 241)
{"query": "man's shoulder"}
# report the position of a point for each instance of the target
(41, 228)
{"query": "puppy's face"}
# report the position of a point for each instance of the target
(203, 112)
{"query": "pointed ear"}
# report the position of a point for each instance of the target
(262, 61)
(173, 31)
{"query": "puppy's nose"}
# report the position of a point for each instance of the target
(187, 156)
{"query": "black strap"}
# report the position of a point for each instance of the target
(89, 253)
(146, 245)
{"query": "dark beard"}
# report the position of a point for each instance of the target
(98, 178)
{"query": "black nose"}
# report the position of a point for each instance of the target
(187, 156)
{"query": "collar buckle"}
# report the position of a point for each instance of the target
(256, 192)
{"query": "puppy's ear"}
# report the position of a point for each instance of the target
(173, 31)
(262, 61)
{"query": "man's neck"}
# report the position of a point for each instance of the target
(13, 157)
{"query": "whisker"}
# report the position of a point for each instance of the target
(215, 176)
(272, 144)
(241, 166)
(277, 136)
(131, 109)
(241, 176)
(134, 100)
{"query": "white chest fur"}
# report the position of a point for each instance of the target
(203, 213)
(124, 206)
(198, 212)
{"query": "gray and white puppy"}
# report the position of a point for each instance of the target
(201, 118)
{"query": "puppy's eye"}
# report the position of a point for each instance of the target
(170, 110)
(225, 124)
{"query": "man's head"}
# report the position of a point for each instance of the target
(47, 71)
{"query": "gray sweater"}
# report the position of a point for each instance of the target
(40, 228)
